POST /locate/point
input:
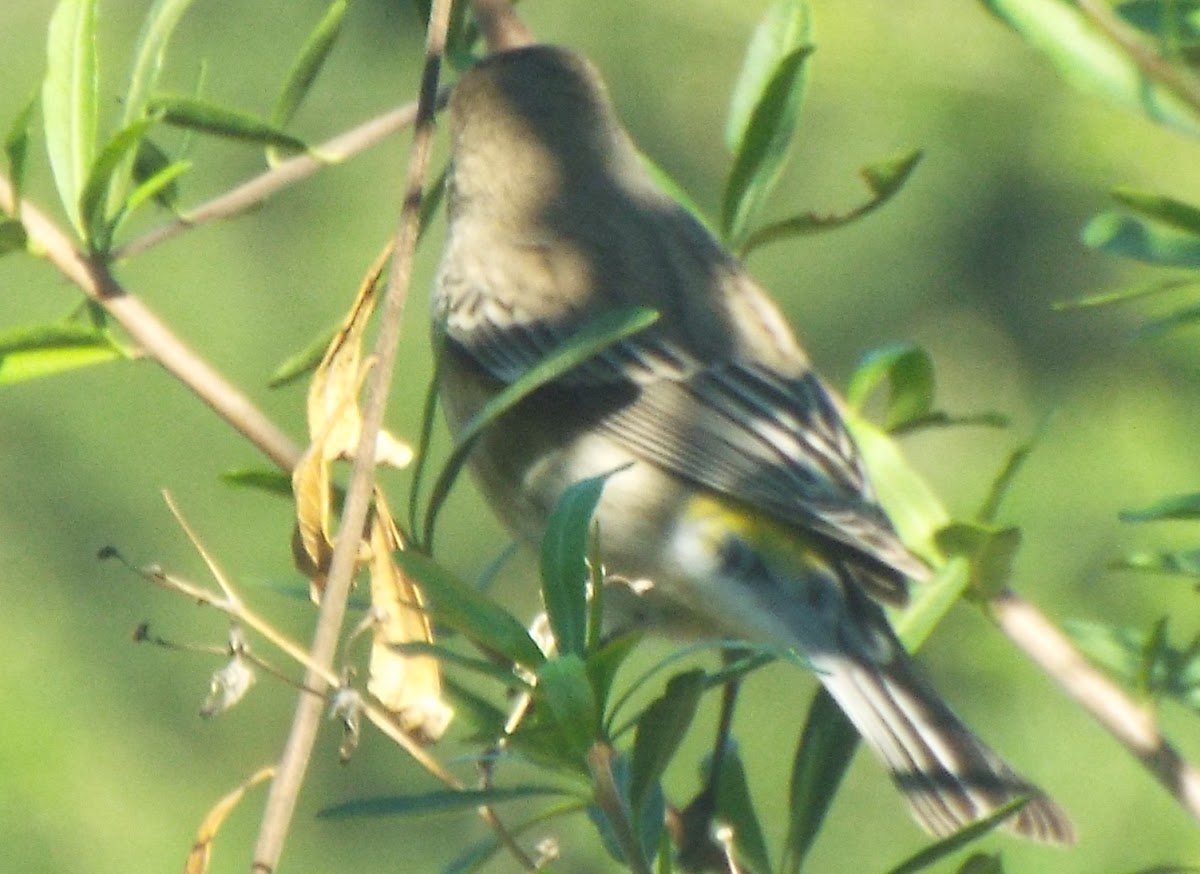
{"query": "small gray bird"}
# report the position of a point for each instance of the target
(740, 507)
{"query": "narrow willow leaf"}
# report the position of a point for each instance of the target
(201, 851)
(42, 350)
(16, 146)
(93, 201)
(1128, 236)
(826, 747)
(270, 480)
(200, 115)
(1092, 62)
(439, 801)
(150, 162)
(69, 101)
(1159, 207)
(305, 361)
(735, 806)
(565, 693)
(461, 607)
(564, 563)
(1175, 507)
(763, 150)
(592, 339)
(157, 28)
(660, 731)
(308, 63)
(1183, 563)
(884, 180)
(1003, 482)
(784, 27)
(13, 237)
(908, 370)
(1120, 295)
(160, 186)
(953, 843)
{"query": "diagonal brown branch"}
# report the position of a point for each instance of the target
(151, 334)
(254, 191)
(1120, 715)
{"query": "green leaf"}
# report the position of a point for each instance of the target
(1127, 236)
(593, 338)
(439, 801)
(604, 662)
(1174, 213)
(1121, 295)
(93, 200)
(660, 730)
(42, 350)
(990, 507)
(13, 237)
(735, 806)
(982, 863)
(1176, 507)
(464, 609)
(69, 101)
(1174, 23)
(308, 63)
(953, 843)
(785, 27)
(16, 146)
(270, 480)
(1183, 563)
(990, 550)
(565, 693)
(826, 747)
(564, 563)
(763, 150)
(485, 668)
(908, 370)
(199, 115)
(884, 180)
(148, 56)
(1091, 61)
(305, 361)
(150, 163)
(1181, 318)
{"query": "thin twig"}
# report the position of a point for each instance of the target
(293, 764)
(150, 333)
(254, 191)
(1120, 715)
(1185, 86)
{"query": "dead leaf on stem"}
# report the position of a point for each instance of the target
(201, 853)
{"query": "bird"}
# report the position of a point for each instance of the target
(737, 505)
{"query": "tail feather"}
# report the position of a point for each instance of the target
(949, 777)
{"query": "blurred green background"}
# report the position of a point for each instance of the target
(105, 765)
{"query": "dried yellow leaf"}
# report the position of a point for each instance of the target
(201, 853)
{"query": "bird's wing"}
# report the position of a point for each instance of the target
(771, 442)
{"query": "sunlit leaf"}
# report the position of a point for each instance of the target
(42, 350)
(592, 339)
(474, 614)
(908, 372)
(763, 150)
(1176, 507)
(784, 27)
(69, 101)
(564, 563)
(1093, 62)
(884, 180)
(439, 801)
(200, 115)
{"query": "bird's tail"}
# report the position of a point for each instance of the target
(949, 777)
